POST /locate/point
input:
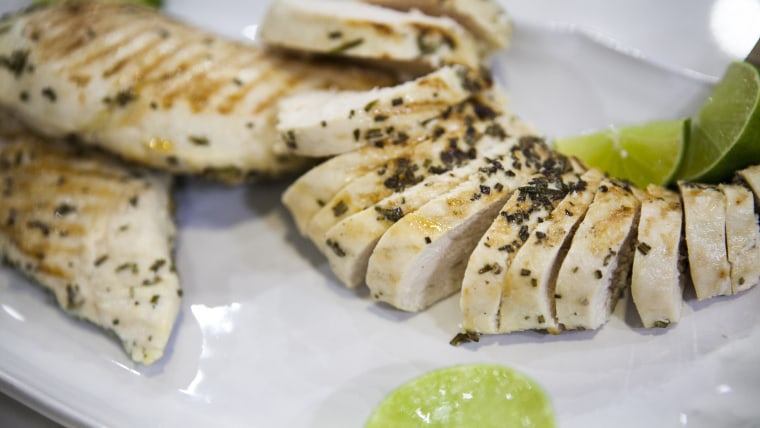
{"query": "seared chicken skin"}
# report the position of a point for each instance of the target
(412, 41)
(658, 274)
(156, 91)
(97, 234)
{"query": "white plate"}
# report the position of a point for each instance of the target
(267, 337)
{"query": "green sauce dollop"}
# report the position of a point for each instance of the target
(475, 395)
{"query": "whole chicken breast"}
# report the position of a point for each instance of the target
(485, 19)
(97, 234)
(411, 41)
(659, 272)
(595, 270)
(704, 208)
(156, 91)
(742, 237)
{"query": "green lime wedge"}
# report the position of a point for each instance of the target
(726, 134)
(476, 395)
(648, 153)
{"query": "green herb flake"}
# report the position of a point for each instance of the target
(346, 46)
(199, 140)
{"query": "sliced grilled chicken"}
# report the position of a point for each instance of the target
(704, 208)
(357, 235)
(324, 123)
(481, 114)
(97, 234)
(421, 258)
(156, 91)
(751, 176)
(486, 19)
(528, 291)
(363, 31)
(742, 237)
(394, 176)
(595, 270)
(658, 274)
(487, 267)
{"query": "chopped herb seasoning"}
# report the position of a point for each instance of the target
(198, 140)
(661, 323)
(154, 299)
(289, 138)
(428, 240)
(485, 190)
(132, 266)
(465, 337)
(64, 209)
(152, 281)
(157, 265)
(323, 124)
(124, 97)
(557, 296)
(369, 105)
(391, 214)
(381, 117)
(73, 299)
(336, 248)
(397, 101)
(346, 46)
(23, 96)
(340, 208)
(541, 319)
(357, 134)
(100, 260)
(237, 81)
(115, 321)
(49, 93)
(540, 235)
(603, 188)
(643, 248)
(524, 272)
(36, 224)
(133, 201)
(15, 62)
(533, 282)
(334, 35)
(598, 274)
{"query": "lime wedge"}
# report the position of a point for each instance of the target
(477, 395)
(726, 134)
(643, 154)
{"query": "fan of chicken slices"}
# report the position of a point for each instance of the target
(435, 186)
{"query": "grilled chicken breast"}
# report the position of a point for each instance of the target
(704, 208)
(156, 91)
(595, 270)
(484, 278)
(485, 19)
(658, 273)
(357, 235)
(97, 234)
(313, 190)
(362, 31)
(324, 123)
(742, 237)
(422, 257)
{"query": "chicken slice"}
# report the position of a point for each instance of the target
(394, 176)
(421, 258)
(324, 123)
(363, 31)
(704, 208)
(595, 270)
(742, 237)
(358, 234)
(97, 234)
(528, 289)
(751, 176)
(486, 269)
(481, 114)
(659, 272)
(156, 91)
(486, 19)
